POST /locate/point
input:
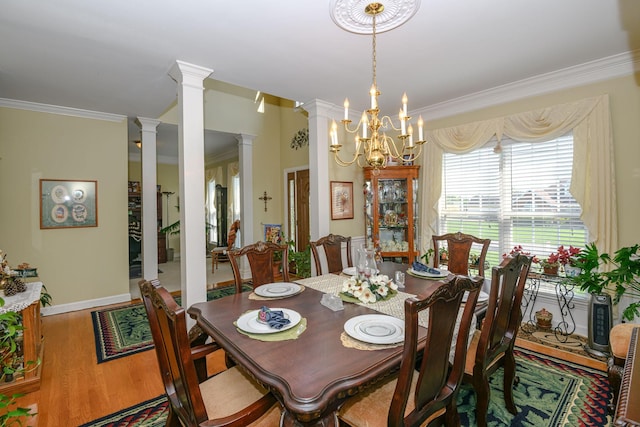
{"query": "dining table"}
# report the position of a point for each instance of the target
(316, 370)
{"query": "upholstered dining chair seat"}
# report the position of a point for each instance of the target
(370, 409)
(231, 391)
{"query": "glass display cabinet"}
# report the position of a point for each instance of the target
(391, 209)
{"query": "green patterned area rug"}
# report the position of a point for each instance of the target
(122, 331)
(550, 393)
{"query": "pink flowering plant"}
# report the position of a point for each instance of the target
(368, 290)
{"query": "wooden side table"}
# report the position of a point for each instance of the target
(628, 410)
(28, 304)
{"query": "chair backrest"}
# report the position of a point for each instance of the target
(437, 382)
(168, 325)
(233, 231)
(504, 314)
(262, 262)
(458, 246)
(332, 245)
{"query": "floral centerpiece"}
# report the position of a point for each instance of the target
(368, 289)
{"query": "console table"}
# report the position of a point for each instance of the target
(564, 289)
(628, 410)
(26, 303)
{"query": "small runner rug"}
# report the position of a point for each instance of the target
(123, 331)
(550, 393)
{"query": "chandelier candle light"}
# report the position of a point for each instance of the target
(373, 147)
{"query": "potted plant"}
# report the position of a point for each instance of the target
(550, 264)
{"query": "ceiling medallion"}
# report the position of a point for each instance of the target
(351, 15)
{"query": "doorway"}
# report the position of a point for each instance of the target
(298, 208)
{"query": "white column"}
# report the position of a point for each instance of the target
(320, 202)
(149, 198)
(193, 268)
(245, 149)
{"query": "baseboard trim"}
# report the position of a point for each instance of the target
(82, 305)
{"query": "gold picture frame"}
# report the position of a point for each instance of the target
(341, 200)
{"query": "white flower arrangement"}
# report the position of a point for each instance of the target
(368, 290)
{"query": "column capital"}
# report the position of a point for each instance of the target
(245, 138)
(147, 124)
(189, 74)
(320, 108)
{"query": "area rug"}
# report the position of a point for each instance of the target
(122, 331)
(550, 393)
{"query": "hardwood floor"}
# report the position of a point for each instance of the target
(75, 389)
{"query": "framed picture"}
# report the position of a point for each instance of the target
(68, 204)
(272, 233)
(341, 200)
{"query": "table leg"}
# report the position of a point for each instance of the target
(329, 420)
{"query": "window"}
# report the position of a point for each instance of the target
(518, 195)
(212, 218)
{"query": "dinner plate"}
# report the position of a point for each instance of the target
(352, 271)
(427, 275)
(277, 290)
(482, 297)
(249, 322)
(375, 329)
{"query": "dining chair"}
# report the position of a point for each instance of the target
(492, 346)
(230, 398)
(425, 389)
(332, 245)
(458, 246)
(223, 250)
(269, 263)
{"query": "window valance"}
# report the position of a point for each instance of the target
(592, 181)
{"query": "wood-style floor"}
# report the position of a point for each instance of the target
(75, 389)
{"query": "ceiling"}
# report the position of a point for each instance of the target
(114, 56)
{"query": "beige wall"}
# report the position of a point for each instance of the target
(74, 264)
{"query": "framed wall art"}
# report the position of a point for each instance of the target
(272, 233)
(341, 200)
(68, 204)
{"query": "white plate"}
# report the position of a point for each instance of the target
(481, 298)
(442, 274)
(249, 322)
(277, 290)
(375, 329)
(352, 271)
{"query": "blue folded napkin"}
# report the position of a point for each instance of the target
(274, 318)
(418, 266)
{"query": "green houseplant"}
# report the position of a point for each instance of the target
(619, 274)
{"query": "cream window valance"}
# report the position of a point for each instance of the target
(592, 178)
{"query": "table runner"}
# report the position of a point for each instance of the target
(332, 283)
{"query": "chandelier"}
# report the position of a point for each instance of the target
(373, 147)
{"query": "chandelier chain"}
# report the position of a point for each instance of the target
(374, 61)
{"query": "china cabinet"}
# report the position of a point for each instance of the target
(391, 209)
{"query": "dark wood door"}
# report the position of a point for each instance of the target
(298, 197)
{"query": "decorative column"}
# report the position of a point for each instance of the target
(149, 197)
(193, 268)
(245, 150)
(320, 202)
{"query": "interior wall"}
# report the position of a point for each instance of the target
(75, 264)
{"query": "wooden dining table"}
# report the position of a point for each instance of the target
(313, 374)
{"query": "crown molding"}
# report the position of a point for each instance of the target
(591, 72)
(64, 111)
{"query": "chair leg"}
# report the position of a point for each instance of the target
(172, 419)
(452, 418)
(509, 380)
(483, 394)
